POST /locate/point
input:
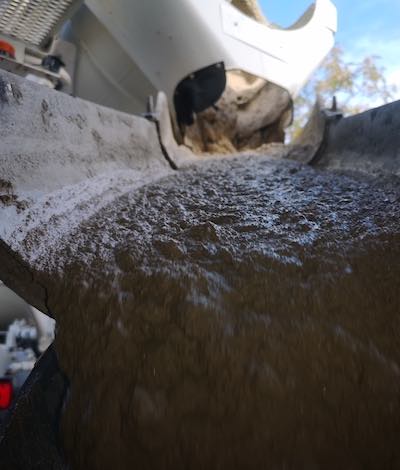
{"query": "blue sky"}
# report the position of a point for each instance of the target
(366, 27)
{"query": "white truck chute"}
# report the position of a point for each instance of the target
(127, 50)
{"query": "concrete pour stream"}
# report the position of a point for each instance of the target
(241, 313)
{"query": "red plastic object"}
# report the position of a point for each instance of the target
(7, 49)
(6, 393)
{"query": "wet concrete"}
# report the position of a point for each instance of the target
(240, 314)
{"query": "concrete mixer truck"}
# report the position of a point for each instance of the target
(121, 54)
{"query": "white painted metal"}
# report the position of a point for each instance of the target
(104, 73)
(46, 329)
(169, 39)
(286, 57)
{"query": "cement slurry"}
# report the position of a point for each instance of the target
(242, 313)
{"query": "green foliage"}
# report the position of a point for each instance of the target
(357, 86)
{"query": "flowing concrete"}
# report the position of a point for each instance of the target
(237, 312)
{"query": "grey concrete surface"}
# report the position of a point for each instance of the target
(61, 160)
(368, 142)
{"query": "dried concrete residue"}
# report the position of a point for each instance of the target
(239, 314)
(8, 90)
(5, 187)
(50, 220)
(65, 165)
(250, 113)
(8, 198)
(3, 91)
(45, 114)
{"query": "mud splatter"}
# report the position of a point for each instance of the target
(45, 113)
(5, 186)
(17, 93)
(3, 91)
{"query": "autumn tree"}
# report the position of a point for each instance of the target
(357, 86)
